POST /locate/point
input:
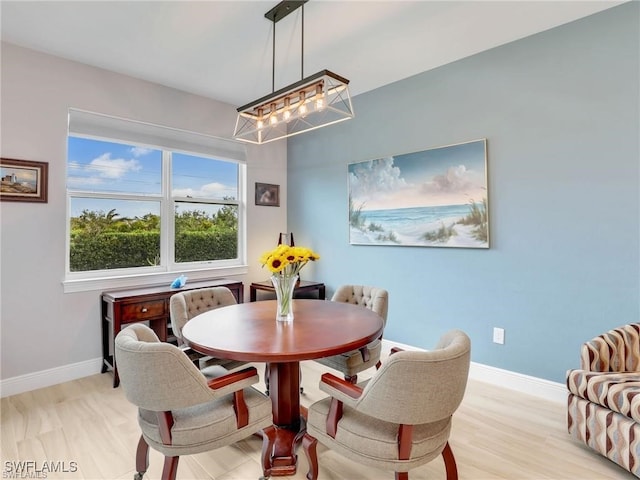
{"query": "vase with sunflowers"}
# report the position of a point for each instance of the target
(285, 263)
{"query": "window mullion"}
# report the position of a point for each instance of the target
(242, 213)
(167, 225)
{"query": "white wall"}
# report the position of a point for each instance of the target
(43, 328)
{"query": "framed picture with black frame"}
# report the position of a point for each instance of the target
(267, 194)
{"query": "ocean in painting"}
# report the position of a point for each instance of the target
(408, 226)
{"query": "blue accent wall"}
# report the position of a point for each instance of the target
(561, 114)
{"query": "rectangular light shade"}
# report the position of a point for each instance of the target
(316, 101)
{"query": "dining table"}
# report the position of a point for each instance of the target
(250, 332)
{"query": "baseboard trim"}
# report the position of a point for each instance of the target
(52, 376)
(538, 387)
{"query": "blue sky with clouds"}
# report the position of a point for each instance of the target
(451, 175)
(100, 166)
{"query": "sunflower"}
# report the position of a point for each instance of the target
(277, 263)
(287, 260)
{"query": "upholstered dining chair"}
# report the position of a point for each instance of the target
(398, 420)
(356, 361)
(183, 306)
(180, 412)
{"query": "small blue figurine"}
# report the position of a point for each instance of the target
(179, 282)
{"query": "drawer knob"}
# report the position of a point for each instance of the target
(144, 310)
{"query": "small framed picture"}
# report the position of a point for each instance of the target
(23, 180)
(267, 194)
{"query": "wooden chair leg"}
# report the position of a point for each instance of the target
(142, 458)
(309, 444)
(170, 468)
(351, 378)
(268, 441)
(402, 475)
(450, 463)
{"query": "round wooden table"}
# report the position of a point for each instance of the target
(250, 332)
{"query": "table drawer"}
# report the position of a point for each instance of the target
(135, 312)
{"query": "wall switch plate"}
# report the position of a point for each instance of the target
(498, 335)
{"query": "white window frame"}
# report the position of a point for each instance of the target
(108, 128)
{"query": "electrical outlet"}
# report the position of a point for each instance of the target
(498, 335)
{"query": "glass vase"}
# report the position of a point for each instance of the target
(284, 286)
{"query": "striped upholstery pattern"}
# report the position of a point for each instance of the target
(618, 350)
(619, 392)
(604, 396)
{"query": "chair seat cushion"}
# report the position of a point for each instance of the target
(351, 363)
(208, 425)
(227, 364)
(619, 392)
(374, 441)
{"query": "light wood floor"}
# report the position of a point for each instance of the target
(497, 434)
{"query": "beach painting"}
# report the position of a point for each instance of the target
(431, 198)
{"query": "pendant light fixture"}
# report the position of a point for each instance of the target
(313, 102)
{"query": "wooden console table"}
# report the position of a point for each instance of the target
(305, 286)
(146, 304)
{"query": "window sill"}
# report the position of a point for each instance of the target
(110, 283)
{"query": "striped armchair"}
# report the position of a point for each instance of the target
(604, 396)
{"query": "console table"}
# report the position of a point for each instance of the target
(303, 287)
(146, 304)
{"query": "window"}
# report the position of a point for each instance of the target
(136, 209)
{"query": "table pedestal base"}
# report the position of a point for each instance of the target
(284, 390)
(284, 460)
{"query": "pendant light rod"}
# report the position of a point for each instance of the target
(276, 14)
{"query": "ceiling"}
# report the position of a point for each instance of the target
(223, 49)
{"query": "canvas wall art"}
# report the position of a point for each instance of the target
(431, 198)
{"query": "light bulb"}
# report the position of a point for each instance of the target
(319, 98)
(302, 108)
(286, 114)
(259, 122)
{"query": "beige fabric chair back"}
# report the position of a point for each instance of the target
(418, 387)
(184, 306)
(155, 375)
(373, 298)
(353, 362)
